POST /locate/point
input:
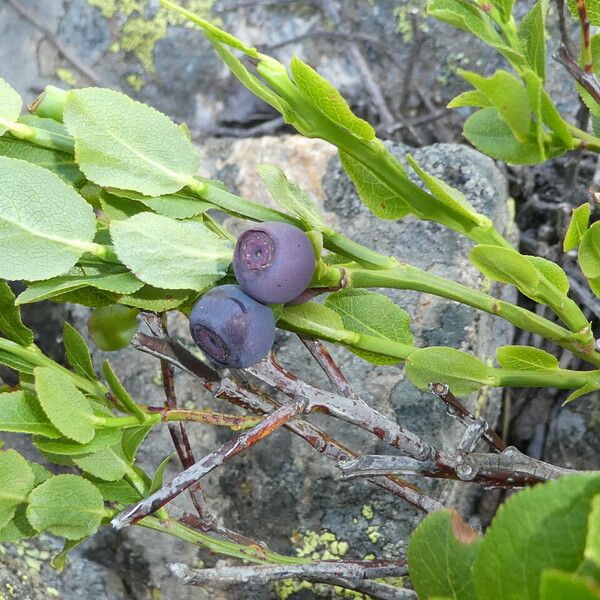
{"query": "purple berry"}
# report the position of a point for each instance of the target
(232, 328)
(274, 262)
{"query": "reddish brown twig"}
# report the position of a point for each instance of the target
(208, 463)
(585, 35)
(458, 410)
(585, 79)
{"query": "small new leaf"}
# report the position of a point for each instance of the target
(66, 505)
(578, 225)
(525, 358)
(506, 265)
(78, 353)
(10, 318)
(589, 257)
(315, 320)
(127, 402)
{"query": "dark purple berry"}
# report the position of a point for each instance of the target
(274, 262)
(232, 328)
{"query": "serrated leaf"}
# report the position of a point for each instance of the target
(507, 94)
(66, 505)
(132, 439)
(11, 324)
(108, 464)
(374, 314)
(525, 358)
(20, 412)
(543, 527)
(10, 104)
(104, 438)
(125, 144)
(16, 362)
(107, 277)
(78, 353)
(558, 585)
(126, 401)
(171, 254)
(323, 96)
(60, 560)
(588, 388)
(589, 257)
(16, 481)
(580, 219)
(506, 265)
(156, 299)
(553, 273)
(504, 8)
(289, 196)
(60, 163)
(377, 196)
(120, 491)
(469, 98)
(159, 474)
(40, 473)
(441, 552)
(45, 226)
(532, 35)
(66, 407)
(452, 209)
(462, 372)
(176, 206)
(492, 136)
(18, 527)
(310, 317)
(117, 208)
(87, 296)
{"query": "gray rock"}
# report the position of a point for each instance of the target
(281, 491)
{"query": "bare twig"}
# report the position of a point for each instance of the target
(266, 128)
(509, 469)
(458, 410)
(565, 36)
(85, 70)
(350, 574)
(411, 62)
(587, 80)
(207, 464)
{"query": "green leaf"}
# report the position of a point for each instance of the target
(10, 318)
(15, 362)
(452, 209)
(60, 560)
(506, 265)
(553, 273)
(66, 407)
(557, 585)
(66, 505)
(441, 552)
(45, 226)
(20, 412)
(133, 438)
(313, 319)
(157, 479)
(60, 163)
(87, 296)
(492, 136)
(555, 122)
(120, 491)
(113, 327)
(543, 527)
(504, 8)
(78, 353)
(376, 195)
(155, 299)
(125, 144)
(469, 98)
(10, 104)
(108, 464)
(104, 438)
(290, 197)
(18, 527)
(580, 219)
(588, 388)
(117, 208)
(531, 32)
(105, 277)
(176, 206)
(374, 314)
(325, 98)
(126, 401)
(525, 358)
(589, 257)
(461, 372)
(507, 94)
(171, 254)
(16, 481)
(592, 542)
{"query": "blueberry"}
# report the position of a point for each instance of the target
(232, 328)
(274, 262)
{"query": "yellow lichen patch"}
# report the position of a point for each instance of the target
(374, 534)
(367, 512)
(66, 76)
(135, 82)
(140, 36)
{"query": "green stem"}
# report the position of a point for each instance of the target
(40, 137)
(409, 277)
(49, 104)
(551, 378)
(588, 141)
